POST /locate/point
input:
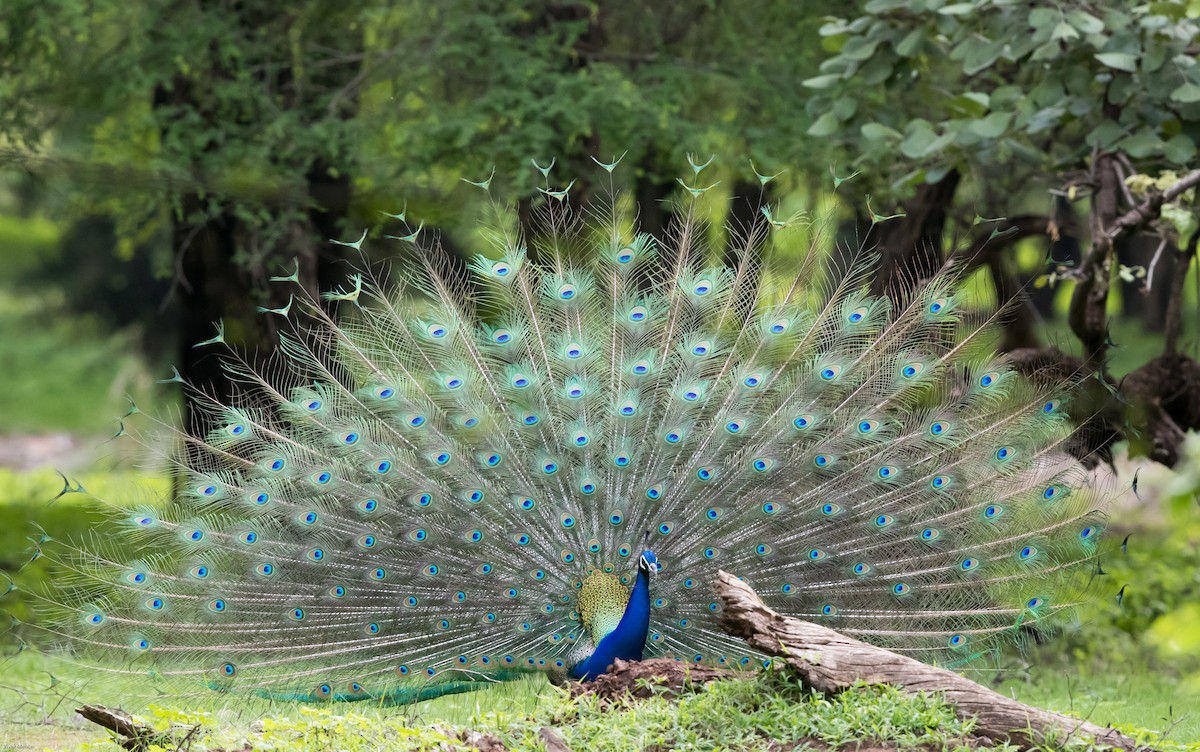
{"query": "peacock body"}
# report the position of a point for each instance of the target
(544, 467)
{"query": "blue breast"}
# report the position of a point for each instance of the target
(627, 641)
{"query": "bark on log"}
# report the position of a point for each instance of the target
(641, 678)
(131, 734)
(830, 662)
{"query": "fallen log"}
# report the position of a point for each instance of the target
(831, 662)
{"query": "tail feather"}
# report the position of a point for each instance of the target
(415, 493)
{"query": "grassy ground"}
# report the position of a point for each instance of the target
(37, 695)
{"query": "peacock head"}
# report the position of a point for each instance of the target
(648, 563)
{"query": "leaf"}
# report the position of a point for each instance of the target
(1105, 134)
(1085, 22)
(880, 132)
(992, 126)
(919, 138)
(1040, 17)
(826, 125)
(1064, 30)
(957, 9)
(1180, 149)
(908, 46)
(859, 48)
(821, 82)
(1141, 144)
(1119, 60)
(1187, 93)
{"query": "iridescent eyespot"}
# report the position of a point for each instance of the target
(228, 669)
(452, 382)
(911, 370)
(857, 315)
(621, 460)
(549, 467)
(778, 326)
(567, 291)
(315, 554)
(993, 511)
(822, 460)
(502, 336)
(441, 458)
(384, 392)
(1034, 602)
(155, 604)
(702, 348)
(702, 287)
(587, 487)
(437, 331)
(1004, 453)
(937, 429)
(1087, 533)
(705, 473)
(567, 520)
(867, 426)
(664, 528)
(624, 257)
(350, 438)
(338, 591)
(1027, 552)
(733, 426)
(817, 554)
(969, 564)
(276, 465)
(574, 351)
(830, 509)
(713, 514)
(322, 478)
(829, 373)
(673, 437)
(1050, 406)
(770, 507)
(249, 537)
(368, 505)
(989, 378)
(752, 381)
(520, 381)
(366, 541)
(930, 534)
(199, 572)
(901, 589)
(940, 481)
(501, 269)
(956, 641)
(580, 439)
(861, 568)
(884, 520)
(829, 610)
(530, 420)
(653, 492)
(887, 471)
(526, 504)
(638, 313)
(418, 535)
(296, 614)
(312, 405)
(762, 464)
(762, 549)
(710, 553)
(937, 305)
(615, 518)
(640, 367)
(521, 539)
(787, 588)
(803, 421)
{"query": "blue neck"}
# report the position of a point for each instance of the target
(627, 641)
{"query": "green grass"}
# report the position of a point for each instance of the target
(38, 693)
(63, 374)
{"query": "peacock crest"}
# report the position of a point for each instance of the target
(461, 477)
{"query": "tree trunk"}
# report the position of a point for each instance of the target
(910, 247)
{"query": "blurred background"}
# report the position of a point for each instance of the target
(160, 161)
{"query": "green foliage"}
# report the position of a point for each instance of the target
(61, 373)
(996, 82)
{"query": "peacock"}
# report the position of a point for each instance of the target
(541, 461)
